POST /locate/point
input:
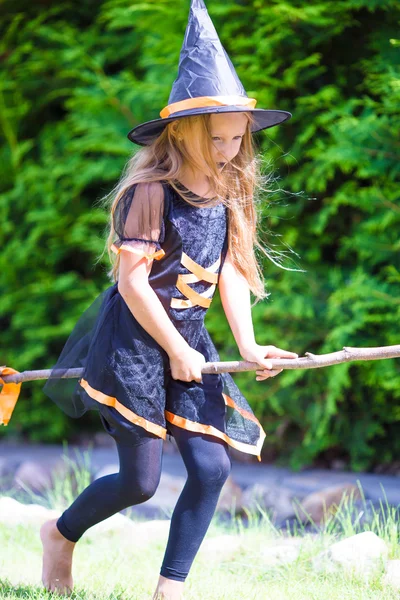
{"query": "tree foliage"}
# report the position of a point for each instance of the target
(77, 76)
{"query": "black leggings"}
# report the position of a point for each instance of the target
(208, 465)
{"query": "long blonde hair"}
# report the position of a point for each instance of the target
(180, 143)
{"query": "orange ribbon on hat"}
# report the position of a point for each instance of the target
(203, 101)
(8, 395)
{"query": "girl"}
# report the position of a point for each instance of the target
(182, 222)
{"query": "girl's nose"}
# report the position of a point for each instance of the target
(227, 152)
(224, 156)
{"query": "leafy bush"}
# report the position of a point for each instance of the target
(77, 76)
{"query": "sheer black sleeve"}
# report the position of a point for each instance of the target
(138, 220)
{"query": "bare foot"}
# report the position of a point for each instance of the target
(57, 559)
(168, 589)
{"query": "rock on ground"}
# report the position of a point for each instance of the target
(14, 513)
(8, 468)
(38, 477)
(282, 552)
(32, 475)
(318, 506)
(361, 554)
(278, 501)
(392, 575)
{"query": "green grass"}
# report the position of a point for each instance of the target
(109, 567)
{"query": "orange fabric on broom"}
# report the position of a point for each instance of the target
(8, 395)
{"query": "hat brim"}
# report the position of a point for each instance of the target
(146, 133)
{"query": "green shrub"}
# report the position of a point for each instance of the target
(77, 77)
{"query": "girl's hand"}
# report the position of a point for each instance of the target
(259, 354)
(187, 365)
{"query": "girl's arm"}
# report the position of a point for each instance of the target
(144, 304)
(235, 297)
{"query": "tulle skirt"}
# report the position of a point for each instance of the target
(126, 377)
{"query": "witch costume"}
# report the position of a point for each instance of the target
(126, 374)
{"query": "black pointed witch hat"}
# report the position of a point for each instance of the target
(206, 83)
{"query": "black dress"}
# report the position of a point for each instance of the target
(126, 372)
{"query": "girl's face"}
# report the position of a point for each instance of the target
(227, 131)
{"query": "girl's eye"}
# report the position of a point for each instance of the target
(237, 137)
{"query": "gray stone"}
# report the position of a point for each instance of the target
(281, 552)
(278, 502)
(324, 503)
(362, 554)
(8, 467)
(32, 476)
(14, 513)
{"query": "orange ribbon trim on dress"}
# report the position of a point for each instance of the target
(8, 395)
(201, 273)
(198, 273)
(211, 430)
(123, 410)
(195, 297)
(152, 255)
